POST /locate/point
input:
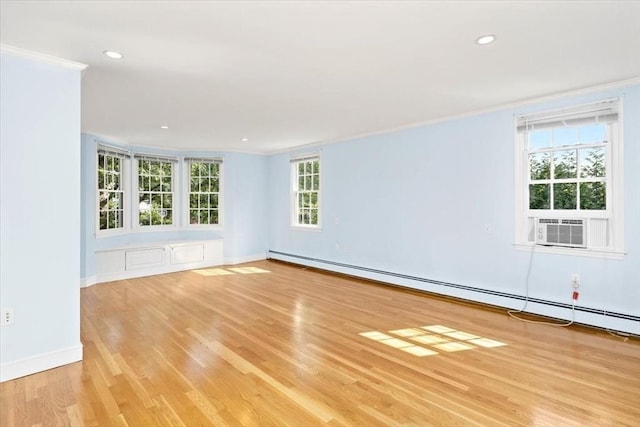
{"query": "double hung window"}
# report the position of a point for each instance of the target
(305, 194)
(112, 168)
(204, 195)
(569, 166)
(156, 190)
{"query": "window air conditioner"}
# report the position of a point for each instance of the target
(561, 232)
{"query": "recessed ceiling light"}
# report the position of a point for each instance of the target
(486, 39)
(112, 54)
(164, 127)
(245, 139)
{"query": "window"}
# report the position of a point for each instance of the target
(569, 166)
(204, 181)
(155, 190)
(112, 173)
(305, 173)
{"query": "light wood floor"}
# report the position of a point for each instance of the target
(284, 347)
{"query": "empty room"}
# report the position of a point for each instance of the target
(308, 213)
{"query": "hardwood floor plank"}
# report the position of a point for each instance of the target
(286, 348)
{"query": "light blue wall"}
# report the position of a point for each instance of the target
(416, 202)
(244, 190)
(39, 214)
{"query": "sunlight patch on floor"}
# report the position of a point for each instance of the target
(212, 272)
(228, 271)
(438, 337)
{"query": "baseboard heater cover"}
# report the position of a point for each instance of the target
(462, 287)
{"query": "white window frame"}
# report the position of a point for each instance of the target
(614, 212)
(175, 204)
(294, 192)
(125, 185)
(186, 191)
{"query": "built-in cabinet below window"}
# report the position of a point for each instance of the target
(157, 258)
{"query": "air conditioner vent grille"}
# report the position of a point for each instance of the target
(561, 232)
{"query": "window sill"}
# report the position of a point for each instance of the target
(586, 252)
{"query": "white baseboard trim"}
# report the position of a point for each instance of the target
(241, 260)
(85, 282)
(41, 362)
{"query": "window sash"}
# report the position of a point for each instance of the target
(208, 209)
(298, 191)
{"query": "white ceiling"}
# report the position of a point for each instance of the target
(285, 74)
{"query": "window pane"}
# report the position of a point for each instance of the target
(144, 202)
(194, 170)
(103, 220)
(565, 136)
(564, 164)
(213, 216)
(195, 184)
(307, 183)
(214, 185)
(167, 201)
(155, 218)
(593, 195)
(314, 217)
(143, 183)
(204, 217)
(203, 169)
(300, 168)
(116, 164)
(540, 166)
(144, 218)
(204, 185)
(204, 201)
(592, 162)
(539, 196)
(166, 183)
(166, 168)
(193, 200)
(316, 166)
(213, 200)
(539, 139)
(565, 196)
(193, 216)
(154, 183)
(316, 182)
(301, 183)
(143, 167)
(100, 179)
(591, 133)
(154, 168)
(314, 200)
(156, 201)
(213, 169)
(167, 217)
(308, 167)
(306, 200)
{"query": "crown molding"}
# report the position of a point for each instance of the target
(41, 57)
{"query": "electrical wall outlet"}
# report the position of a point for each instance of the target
(7, 316)
(575, 280)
